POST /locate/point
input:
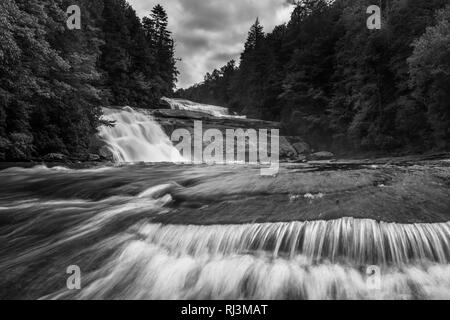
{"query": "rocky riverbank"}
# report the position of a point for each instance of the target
(292, 149)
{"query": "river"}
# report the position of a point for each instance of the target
(167, 230)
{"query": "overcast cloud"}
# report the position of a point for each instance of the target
(209, 33)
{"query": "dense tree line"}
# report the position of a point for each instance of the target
(54, 81)
(328, 78)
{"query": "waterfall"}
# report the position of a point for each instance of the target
(298, 260)
(124, 227)
(346, 240)
(135, 137)
(186, 105)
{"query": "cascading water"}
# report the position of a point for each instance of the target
(360, 242)
(276, 261)
(110, 222)
(186, 105)
(135, 137)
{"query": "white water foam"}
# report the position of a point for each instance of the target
(245, 262)
(186, 105)
(136, 137)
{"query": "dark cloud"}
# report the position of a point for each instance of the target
(220, 57)
(210, 33)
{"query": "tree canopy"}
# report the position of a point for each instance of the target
(54, 81)
(343, 87)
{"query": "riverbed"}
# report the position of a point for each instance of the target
(167, 231)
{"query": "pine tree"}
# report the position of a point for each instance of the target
(163, 49)
(248, 85)
(255, 37)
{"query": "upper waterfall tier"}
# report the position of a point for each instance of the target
(186, 105)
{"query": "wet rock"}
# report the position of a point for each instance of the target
(302, 147)
(56, 157)
(287, 151)
(106, 154)
(93, 157)
(163, 104)
(323, 155)
(300, 159)
(171, 120)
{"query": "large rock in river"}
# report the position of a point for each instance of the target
(323, 155)
(302, 148)
(55, 157)
(106, 154)
(287, 151)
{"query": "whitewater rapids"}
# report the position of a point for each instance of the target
(186, 105)
(136, 137)
(107, 222)
(174, 231)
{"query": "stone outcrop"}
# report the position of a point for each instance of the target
(302, 148)
(55, 157)
(292, 149)
(323, 155)
(287, 151)
(105, 154)
(171, 120)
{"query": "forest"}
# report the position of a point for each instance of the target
(55, 80)
(323, 74)
(329, 79)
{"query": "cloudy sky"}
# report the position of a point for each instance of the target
(209, 33)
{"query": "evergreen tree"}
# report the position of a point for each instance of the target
(163, 48)
(249, 82)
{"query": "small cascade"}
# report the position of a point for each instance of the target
(360, 242)
(135, 137)
(186, 105)
(309, 260)
(108, 222)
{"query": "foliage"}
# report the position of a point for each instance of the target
(54, 81)
(328, 78)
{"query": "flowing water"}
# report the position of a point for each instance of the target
(186, 105)
(136, 232)
(135, 137)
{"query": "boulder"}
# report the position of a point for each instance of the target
(302, 147)
(55, 157)
(287, 151)
(106, 154)
(298, 159)
(323, 155)
(93, 157)
(163, 104)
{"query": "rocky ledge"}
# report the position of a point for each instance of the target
(292, 149)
